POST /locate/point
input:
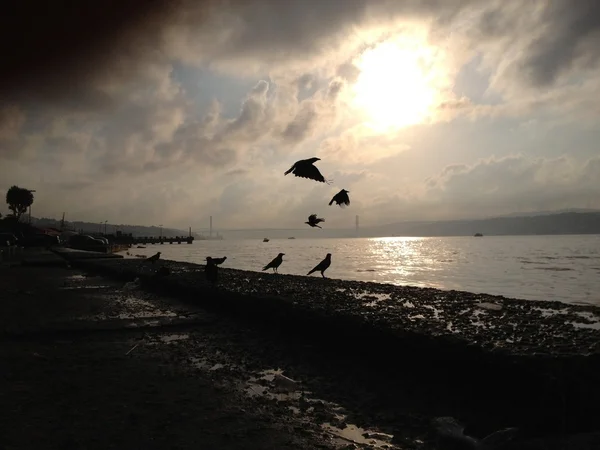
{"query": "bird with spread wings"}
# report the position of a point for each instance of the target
(305, 168)
(313, 221)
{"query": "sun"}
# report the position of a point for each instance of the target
(395, 88)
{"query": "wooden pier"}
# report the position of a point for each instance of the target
(151, 240)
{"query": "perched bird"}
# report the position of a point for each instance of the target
(451, 436)
(322, 266)
(275, 263)
(341, 198)
(313, 220)
(211, 270)
(305, 169)
(154, 258)
(218, 261)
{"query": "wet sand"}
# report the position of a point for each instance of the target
(69, 381)
(327, 386)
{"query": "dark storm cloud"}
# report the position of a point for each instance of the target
(565, 35)
(50, 49)
(572, 37)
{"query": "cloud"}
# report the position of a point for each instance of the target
(133, 133)
(512, 182)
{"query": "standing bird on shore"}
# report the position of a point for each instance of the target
(451, 436)
(313, 220)
(219, 261)
(211, 270)
(322, 266)
(154, 258)
(341, 198)
(305, 169)
(275, 263)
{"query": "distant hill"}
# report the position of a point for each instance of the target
(561, 223)
(548, 213)
(570, 222)
(91, 227)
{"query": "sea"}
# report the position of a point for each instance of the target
(557, 268)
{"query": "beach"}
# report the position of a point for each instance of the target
(320, 355)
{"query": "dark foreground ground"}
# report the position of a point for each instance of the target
(94, 388)
(93, 363)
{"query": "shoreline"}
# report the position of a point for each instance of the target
(521, 355)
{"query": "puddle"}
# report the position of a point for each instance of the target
(417, 316)
(174, 337)
(76, 277)
(436, 311)
(142, 309)
(374, 297)
(592, 326)
(358, 435)
(545, 312)
(490, 306)
(205, 364)
(70, 288)
(589, 321)
(273, 384)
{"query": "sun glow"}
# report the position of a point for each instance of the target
(396, 85)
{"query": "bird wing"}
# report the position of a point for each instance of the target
(309, 171)
(322, 265)
(272, 263)
(290, 169)
(312, 218)
(345, 199)
(318, 220)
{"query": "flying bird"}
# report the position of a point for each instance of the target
(341, 198)
(219, 261)
(305, 169)
(275, 263)
(211, 270)
(322, 266)
(313, 220)
(154, 258)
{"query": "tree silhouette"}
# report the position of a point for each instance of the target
(18, 200)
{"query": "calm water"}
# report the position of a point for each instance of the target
(564, 268)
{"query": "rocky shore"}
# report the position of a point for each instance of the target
(493, 361)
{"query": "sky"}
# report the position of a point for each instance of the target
(423, 110)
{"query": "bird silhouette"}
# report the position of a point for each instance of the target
(313, 220)
(341, 198)
(219, 261)
(275, 263)
(211, 270)
(305, 168)
(322, 266)
(451, 436)
(154, 258)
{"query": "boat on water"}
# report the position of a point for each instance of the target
(478, 235)
(292, 237)
(266, 240)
